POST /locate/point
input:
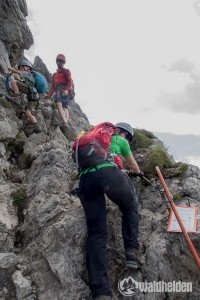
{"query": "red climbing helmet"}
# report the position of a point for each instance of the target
(61, 57)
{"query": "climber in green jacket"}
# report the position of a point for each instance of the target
(95, 182)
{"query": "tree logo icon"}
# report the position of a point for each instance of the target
(127, 286)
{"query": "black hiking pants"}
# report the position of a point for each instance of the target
(93, 185)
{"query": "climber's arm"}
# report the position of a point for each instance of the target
(132, 164)
(12, 70)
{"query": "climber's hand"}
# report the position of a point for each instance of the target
(141, 174)
(12, 70)
(65, 93)
(131, 173)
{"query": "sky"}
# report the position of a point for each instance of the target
(136, 61)
(183, 148)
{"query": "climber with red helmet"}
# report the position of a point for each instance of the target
(60, 89)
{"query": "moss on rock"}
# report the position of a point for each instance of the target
(18, 196)
(180, 170)
(25, 161)
(142, 139)
(158, 157)
(177, 196)
(16, 145)
(53, 106)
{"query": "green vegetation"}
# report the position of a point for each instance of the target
(26, 161)
(21, 136)
(158, 157)
(177, 196)
(142, 139)
(181, 169)
(147, 133)
(16, 145)
(18, 196)
(53, 106)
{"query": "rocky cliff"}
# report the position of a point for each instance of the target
(42, 226)
(15, 35)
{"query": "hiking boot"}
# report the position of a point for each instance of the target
(14, 99)
(132, 259)
(37, 128)
(103, 297)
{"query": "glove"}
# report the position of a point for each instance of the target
(141, 174)
(131, 173)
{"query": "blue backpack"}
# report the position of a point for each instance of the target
(41, 84)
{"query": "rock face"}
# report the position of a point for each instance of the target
(43, 228)
(41, 67)
(15, 35)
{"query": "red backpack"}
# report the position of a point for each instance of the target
(91, 149)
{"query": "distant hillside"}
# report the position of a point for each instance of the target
(181, 146)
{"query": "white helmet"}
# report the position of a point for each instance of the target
(126, 127)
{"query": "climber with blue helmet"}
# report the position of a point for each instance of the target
(23, 83)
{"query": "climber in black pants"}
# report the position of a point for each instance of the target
(114, 183)
(108, 179)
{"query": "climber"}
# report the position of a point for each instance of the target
(60, 89)
(106, 178)
(24, 84)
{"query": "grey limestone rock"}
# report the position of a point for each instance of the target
(43, 237)
(7, 260)
(22, 285)
(40, 66)
(9, 124)
(15, 35)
